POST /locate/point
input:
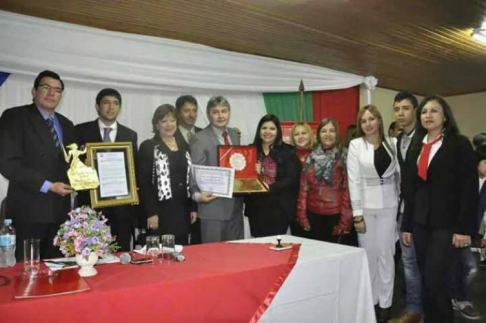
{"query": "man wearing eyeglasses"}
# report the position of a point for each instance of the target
(31, 158)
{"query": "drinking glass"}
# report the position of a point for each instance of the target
(31, 256)
(168, 247)
(153, 248)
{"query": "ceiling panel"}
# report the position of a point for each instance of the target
(420, 45)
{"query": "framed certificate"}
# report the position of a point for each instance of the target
(116, 171)
(242, 159)
(216, 180)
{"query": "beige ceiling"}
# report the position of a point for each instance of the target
(420, 45)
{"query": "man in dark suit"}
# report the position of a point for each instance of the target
(221, 218)
(31, 158)
(186, 106)
(106, 129)
(404, 108)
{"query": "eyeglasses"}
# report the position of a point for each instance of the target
(47, 88)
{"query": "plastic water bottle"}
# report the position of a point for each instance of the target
(7, 244)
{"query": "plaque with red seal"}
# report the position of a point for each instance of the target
(243, 159)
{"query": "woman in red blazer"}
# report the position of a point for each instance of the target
(323, 205)
(440, 203)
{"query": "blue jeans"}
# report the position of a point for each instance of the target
(464, 270)
(413, 278)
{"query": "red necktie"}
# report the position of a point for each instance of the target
(225, 138)
(423, 163)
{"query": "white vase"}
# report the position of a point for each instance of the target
(86, 264)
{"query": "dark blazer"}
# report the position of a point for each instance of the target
(449, 197)
(286, 187)
(178, 134)
(28, 157)
(148, 190)
(90, 132)
(403, 166)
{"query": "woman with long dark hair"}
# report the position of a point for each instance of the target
(278, 167)
(323, 205)
(163, 174)
(373, 173)
(440, 203)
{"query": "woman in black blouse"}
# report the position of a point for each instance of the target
(163, 173)
(271, 213)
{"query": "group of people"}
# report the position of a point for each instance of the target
(421, 187)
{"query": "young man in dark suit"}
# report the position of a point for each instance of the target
(186, 106)
(404, 108)
(107, 129)
(31, 158)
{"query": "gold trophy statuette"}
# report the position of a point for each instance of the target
(80, 176)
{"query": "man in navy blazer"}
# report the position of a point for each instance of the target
(107, 129)
(404, 108)
(31, 158)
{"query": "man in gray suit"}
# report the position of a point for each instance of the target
(221, 218)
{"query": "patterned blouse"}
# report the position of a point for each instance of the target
(269, 170)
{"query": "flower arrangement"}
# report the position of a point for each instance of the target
(85, 232)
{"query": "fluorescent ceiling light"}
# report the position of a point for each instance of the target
(479, 34)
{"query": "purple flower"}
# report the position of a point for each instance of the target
(86, 252)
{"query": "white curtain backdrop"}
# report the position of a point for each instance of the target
(148, 71)
(90, 55)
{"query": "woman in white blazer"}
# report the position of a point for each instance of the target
(373, 174)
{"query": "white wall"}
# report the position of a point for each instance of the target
(470, 112)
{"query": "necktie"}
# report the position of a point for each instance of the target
(189, 136)
(225, 138)
(106, 134)
(423, 163)
(52, 129)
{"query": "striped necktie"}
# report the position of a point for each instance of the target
(106, 134)
(52, 129)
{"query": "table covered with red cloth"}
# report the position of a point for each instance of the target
(221, 282)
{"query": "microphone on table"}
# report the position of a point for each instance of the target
(125, 258)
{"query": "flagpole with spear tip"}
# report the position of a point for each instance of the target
(301, 90)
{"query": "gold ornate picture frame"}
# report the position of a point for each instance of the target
(114, 163)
